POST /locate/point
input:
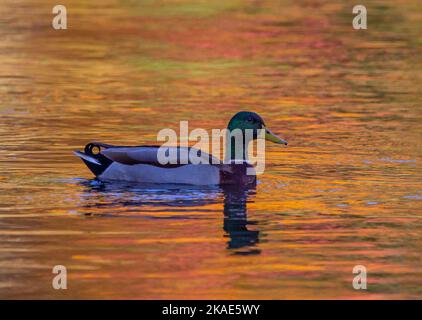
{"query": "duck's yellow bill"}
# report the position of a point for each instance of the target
(269, 136)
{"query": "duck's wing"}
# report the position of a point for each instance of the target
(159, 156)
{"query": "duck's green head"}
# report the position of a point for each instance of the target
(250, 120)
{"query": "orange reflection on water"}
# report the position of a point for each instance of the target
(345, 192)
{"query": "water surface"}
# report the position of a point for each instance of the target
(346, 191)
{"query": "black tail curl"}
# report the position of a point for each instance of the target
(97, 169)
(99, 145)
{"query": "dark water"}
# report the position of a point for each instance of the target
(346, 191)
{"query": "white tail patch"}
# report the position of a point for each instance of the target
(86, 157)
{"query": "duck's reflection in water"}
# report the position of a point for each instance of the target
(162, 198)
(241, 239)
(149, 197)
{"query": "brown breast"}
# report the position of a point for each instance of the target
(236, 174)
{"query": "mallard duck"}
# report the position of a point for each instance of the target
(140, 163)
